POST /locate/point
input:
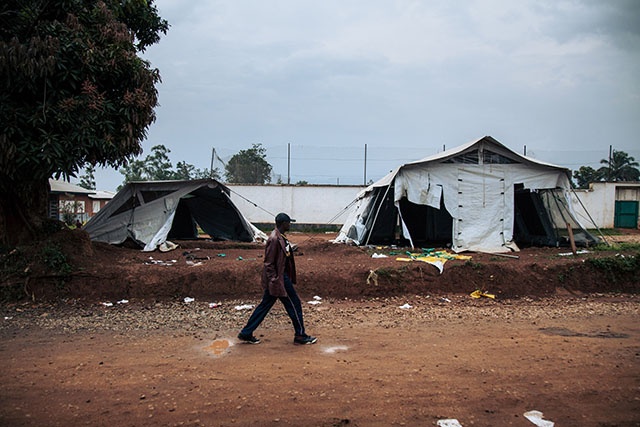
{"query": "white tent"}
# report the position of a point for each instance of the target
(150, 212)
(480, 196)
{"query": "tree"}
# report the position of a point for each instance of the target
(585, 175)
(186, 171)
(158, 167)
(133, 171)
(249, 166)
(88, 180)
(73, 92)
(621, 167)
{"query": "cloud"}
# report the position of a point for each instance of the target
(403, 73)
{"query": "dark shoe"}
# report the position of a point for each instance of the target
(249, 339)
(305, 340)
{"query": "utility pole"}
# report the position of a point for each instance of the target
(365, 164)
(610, 160)
(213, 156)
(525, 150)
(288, 163)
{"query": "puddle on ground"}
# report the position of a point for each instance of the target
(218, 347)
(564, 332)
(335, 349)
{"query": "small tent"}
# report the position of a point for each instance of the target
(480, 196)
(151, 212)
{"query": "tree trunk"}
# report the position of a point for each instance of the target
(23, 211)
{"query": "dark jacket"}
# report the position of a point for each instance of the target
(275, 258)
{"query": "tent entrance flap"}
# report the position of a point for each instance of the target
(425, 223)
(184, 226)
(383, 217)
(558, 205)
(211, 209)
(532, 225)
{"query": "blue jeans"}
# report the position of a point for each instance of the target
(291, 303)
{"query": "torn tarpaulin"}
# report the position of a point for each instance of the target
(433, 257)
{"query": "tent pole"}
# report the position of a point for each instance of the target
(590, 218)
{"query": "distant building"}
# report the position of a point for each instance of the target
(612, 204)
(99, 200)
(70, 203)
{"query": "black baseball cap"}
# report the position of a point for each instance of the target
(283, 217)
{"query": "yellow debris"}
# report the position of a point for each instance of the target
(478, 294)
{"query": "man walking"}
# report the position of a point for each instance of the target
(278, 280)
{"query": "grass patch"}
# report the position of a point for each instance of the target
(606, 231)
(617, 267)
(474, 265)
(615, 247)
(621, 263)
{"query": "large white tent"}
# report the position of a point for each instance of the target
(480, 196)
(150, 212)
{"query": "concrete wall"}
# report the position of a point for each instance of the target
(600, 199)
(319, 204)
(307, 204)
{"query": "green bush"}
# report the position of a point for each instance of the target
(623, 246)
(614, 264)
(53, 257)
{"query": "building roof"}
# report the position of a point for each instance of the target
(102, 195)
(60, 187)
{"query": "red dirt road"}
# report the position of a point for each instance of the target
(559, 338)
(576, 360)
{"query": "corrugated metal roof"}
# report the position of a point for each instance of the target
(102, 195)
(67, 187)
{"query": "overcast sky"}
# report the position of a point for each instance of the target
(406, 78)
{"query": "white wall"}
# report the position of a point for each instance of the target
(319, 204)
(600, 199)
(307, 204)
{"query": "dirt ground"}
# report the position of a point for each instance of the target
(399, 342)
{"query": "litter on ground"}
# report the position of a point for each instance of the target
(479, 294)
(536, 418)
(433, 257)
(244, 307)
(167, 246)
(372, 277)
(406, 306)
(584, 251)
(160, 262)
(451, 422)
(376, 255)
(189, 299)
